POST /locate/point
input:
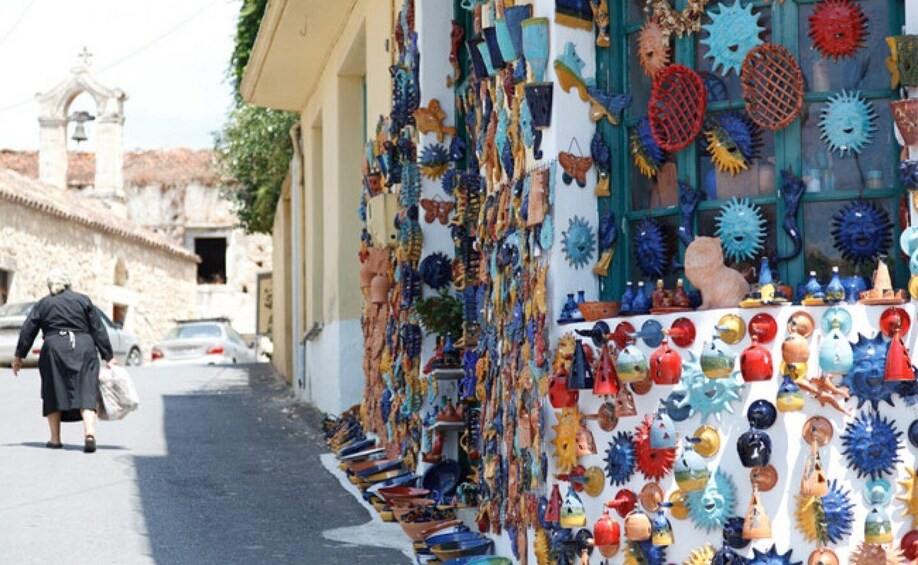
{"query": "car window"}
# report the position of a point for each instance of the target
(195, 331)
(235, 336)
(16, 309)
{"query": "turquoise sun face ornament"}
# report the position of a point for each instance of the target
(578, 242)
(741, 228)
(733, 32)
(871, 443)
(711, 506)
(847, 122)
(707, 396)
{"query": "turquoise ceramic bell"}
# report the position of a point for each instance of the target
(631, 365)
(716, 360)
(835, 354)
(663, 431)
(572, 512)
(691, 472)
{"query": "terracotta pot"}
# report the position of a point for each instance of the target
(905, 113)
(795, 349)
(637, 526)
(379, 289)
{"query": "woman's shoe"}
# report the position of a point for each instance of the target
(52, 445)
(89, 445)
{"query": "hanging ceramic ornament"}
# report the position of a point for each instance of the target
(608, 235)
(676, 109)
(437, 210)
(877, 525)
(898, 361)
(711, 506)
(574, 13)
(838, 28)
(870, 444)
(648, 156)
(792, 189)
(578, 242)
(704, 395)
(825, 519)
(607, 105)
(756, 363)
(756, 525)
(771, 557)
(661, 529)
(823, 556)
(741, 228)
(434, 161)
(731, 142)
(847, 123)
(607, 535)
(865, 380)
(772, 86)
(836, 357)
(910, 495)
(665, 365)
(789, 398)
(620, 459)
(565, 440)
(602, 158)
(689, 199)
(631, 365)
(572, 512)
(691, 471)
(872, 554)
(436, 270)
(575, 166)
(663, 431)
(734, 30)
(701, 556)
(569, 70)
(654, 464)
(653, 47)
(650, 248)
(685, 22)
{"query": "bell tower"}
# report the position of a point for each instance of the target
(109, 131)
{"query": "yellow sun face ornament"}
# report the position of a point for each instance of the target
(701, 556)
(565, 440)
(910, 496)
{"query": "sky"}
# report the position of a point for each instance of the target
(169, 56)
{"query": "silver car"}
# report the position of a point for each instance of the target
(206, 342)
(125, 345)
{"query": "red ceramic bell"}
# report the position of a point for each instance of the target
(605, 380)
(898, 364)
(607, 535)
(553, 511)
(755, 363)
(909, 545)
(665, 365)
(559, 395)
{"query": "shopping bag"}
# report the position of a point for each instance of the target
(117, 395)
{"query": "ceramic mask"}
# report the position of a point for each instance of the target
(653, 47)
(865, 380)
(734, 30)
(725, 149)
(871, 443)
(647, 153)
(654, 464)
(565, 440)
(710, 507)
(578, 242)
(837, 28)
(707, 396)
(741, 228)
(847, 123)
(771, 557)
(825, 519)
(620, 459)
(862, 231)
(631, 365)
(650, 248)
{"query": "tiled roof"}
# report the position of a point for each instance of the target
(167, 167)
(71, 206)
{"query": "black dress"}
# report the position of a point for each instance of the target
(68, 364)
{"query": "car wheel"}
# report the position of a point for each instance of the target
(134, 358)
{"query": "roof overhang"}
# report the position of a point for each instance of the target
(294, 42)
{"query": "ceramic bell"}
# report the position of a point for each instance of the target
(823, 556)
(716, 360)
(757, 524)
(691, 472)
(754, 448)
(878, 527)
(553, 510)
(663, 431)
(814, 481)
(379, 289)
(661, 529)
(605, 378)
(733, 532)
(795, 349)
(631, 365)
(607, 535)
(835, 354)
(727, 556)
(581, 375)
(559, 395)
(665, 365)
(586, 444)
(572, 512)
(755, 363)
(790, 398)
(898, 364)
(637, 526)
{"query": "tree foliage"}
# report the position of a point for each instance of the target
(254, 148)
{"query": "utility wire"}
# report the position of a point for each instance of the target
(16, 24)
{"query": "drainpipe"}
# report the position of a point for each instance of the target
(297, 186)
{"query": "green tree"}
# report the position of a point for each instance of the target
(253, 149)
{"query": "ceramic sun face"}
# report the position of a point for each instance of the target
(873, 554)
(847, 123)
(701, 556)
(862, 231)
(653, 48)
(648, 156)
(649, 247)
(865, 380)
(871, 443)
(910, 496)
(710, 507)
(707, 396)
(838, 28)
(565, 440)
(741, 228)
(654, 464)
(644, 553)
(825, 519)
(771, 557)
(734, 30)
(732, 141)
(578, 242)
(620, 459)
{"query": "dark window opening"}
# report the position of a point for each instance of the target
(6, 277)
(119, 314)
(212, 251)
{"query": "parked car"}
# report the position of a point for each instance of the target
(125, 345)
(208, 342)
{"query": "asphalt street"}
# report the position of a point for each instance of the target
(217, 466)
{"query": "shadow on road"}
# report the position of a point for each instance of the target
(242, 483)
(67, 446)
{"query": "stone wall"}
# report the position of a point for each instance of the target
(160, 286)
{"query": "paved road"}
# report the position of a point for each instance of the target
(216, 467)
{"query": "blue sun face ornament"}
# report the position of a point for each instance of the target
(647, 153)
(650, 249)
(865, 381)
(871, 443)
(847, 123)
(578, 242)
(710, 507)
(706, 396)
(771, 557)
(825, 519)
(733, 32)
(731, 141)
(436, 270)
(621, 460)
(741, 228)
(862, 231)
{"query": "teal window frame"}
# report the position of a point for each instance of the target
(612, 66)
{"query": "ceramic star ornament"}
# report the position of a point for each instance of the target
(734, 31)
(847, 123)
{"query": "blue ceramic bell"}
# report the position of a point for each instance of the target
(835, 291)
(572, 512)
(631, 365)
(627, 298)
(716, 360)
(726, 556)
(813, 290)
(661, 529)
(761, 414)
(789, 399)
(663, 431)
(836, 356)
(754, 448)
(641, 303)
(691, 472)
(581, 375)
(733, 533)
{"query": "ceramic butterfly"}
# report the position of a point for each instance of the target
(437, 210)
(575, 168)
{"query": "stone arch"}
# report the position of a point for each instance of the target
(54, 105)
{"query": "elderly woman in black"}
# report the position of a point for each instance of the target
(69, 362)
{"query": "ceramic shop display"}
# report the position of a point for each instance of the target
(720, 286)
(772, 86)
(838, 28)
(677, 104)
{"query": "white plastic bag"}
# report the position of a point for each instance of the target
(117, 395)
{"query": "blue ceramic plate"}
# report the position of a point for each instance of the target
(480, 560)
(380, 467)
(457, 549)
(439, 538)
(442, 478)
(360, 445)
